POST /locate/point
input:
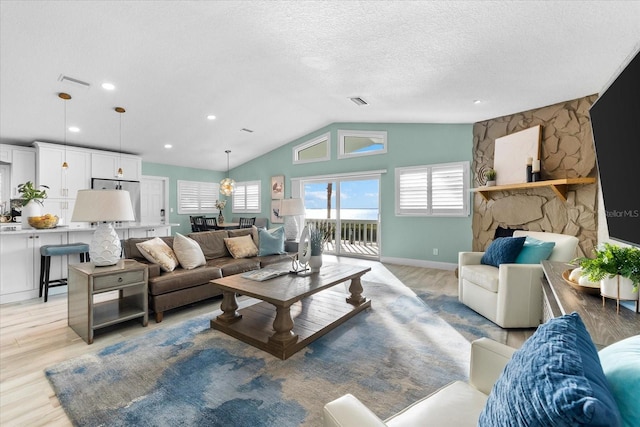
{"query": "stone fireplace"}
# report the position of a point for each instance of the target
(566, 151)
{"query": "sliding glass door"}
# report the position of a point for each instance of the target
(348, 210)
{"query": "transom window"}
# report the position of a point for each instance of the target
(355, 143)
(246, 197)
(315, 150)
(433, 190)
(197, 197)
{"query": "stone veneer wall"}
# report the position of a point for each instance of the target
(566, 151)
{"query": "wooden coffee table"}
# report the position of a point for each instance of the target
(315, 308)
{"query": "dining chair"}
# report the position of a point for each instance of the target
(247, 222)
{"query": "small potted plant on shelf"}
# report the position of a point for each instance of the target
(31, 197)
(490, 175)
(618, 270)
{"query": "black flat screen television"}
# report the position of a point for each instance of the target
(615, 120)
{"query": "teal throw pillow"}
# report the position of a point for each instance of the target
(554, 379)
(503, 250)
(534, 251)
(271, 242)
(621, 365)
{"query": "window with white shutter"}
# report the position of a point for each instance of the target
(246, 197)
(433, 190)
(197, 197)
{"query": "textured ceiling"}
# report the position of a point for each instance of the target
(284, 69)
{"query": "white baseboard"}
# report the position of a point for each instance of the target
(420, 263)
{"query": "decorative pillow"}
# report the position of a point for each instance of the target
(271, 242)
(188, 252)
(241, 247)
(534, 250)
(503, 250)
(621, 365)
(158, 252)
(554, 379)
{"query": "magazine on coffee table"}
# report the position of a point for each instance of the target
(264, 274)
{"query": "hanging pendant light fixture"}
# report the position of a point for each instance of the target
(227, 185)
(120, 172)
(65, 97)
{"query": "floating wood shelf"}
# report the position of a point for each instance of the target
(559, 186)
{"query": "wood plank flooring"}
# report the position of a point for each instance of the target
(34, 335)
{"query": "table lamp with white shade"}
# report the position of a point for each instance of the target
(289, 210)
(103, 207)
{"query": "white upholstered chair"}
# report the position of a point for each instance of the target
(510, 295)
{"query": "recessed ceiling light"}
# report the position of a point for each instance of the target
(477, 101)
(167, 146)
(211, 117)
(108, 86)
(74, 129)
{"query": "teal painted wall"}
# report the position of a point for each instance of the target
(175, 173)
(408, 145)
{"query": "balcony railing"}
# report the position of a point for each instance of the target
(356, 236)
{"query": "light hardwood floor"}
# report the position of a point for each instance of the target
(34, 335)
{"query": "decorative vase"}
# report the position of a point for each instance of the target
(32, 208)
(619, 288)
(220, 218)
(315, 262)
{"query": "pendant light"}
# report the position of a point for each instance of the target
(65, 97)
(120, 172)
(227, 185)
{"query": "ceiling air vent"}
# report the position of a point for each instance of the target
(75, 82)
(359, 101)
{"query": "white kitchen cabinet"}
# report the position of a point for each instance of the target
(63, 184)
(105, 165)
(20, 272)
(23, 168)
(5, 153)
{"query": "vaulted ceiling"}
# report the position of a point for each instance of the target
(283, 69)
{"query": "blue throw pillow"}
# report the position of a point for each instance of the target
(503, 250)
(621, 365)
(534, 251)
(554, 379)
(271, 242)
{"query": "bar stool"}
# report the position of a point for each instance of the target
(46, 252)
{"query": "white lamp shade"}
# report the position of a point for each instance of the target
(292, 207)
(103, 206)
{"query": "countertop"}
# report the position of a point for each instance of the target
(16, 228)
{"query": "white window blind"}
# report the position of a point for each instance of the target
(246, 197)
(433, 190)
(197, 197)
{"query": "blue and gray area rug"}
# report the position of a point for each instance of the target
(399, 351)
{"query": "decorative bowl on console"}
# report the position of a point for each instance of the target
(43, 222)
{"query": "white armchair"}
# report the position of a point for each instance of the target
(457, 404)
(511, 295)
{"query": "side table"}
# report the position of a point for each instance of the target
(86, 281)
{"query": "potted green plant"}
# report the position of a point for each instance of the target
(490, 175)
(617, 268)
(316, 242)
(31, 197)
(29, 192)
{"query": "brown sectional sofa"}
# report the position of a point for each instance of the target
(180, 287)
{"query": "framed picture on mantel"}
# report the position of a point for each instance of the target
(511, 153)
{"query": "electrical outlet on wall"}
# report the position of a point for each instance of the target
(435, 251)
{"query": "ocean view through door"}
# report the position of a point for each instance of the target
(348, 209)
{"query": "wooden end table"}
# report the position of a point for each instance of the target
(128, 277)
